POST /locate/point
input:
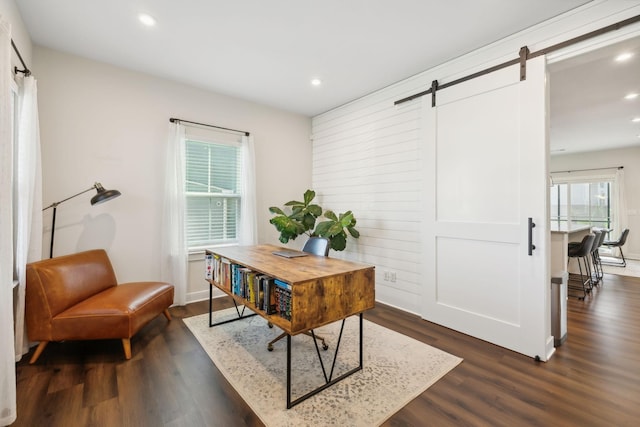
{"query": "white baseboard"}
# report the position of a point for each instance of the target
(202, 296)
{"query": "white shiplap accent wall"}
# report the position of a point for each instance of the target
(366, 154)
(371, 165)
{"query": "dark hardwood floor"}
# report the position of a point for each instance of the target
(592, 380)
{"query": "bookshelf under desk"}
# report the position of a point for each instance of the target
(323, 290)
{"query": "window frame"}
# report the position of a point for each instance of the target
(204, 137)
(616, 190)
(608, 220)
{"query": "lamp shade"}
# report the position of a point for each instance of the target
(103, 195)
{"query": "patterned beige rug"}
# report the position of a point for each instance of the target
(396, 369)
(631, 270)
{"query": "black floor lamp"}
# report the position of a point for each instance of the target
(102, 196)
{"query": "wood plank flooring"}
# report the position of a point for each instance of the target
(592, 380)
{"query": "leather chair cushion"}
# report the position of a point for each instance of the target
(117, 312)
(67, 280)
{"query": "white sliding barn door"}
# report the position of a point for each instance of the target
(485, 175)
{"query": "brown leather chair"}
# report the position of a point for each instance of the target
(77, 297)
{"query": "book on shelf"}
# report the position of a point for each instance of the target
(217, 270)
(250, 290)
(268, 291)
(209, 266)
(258, 296)
(273, 296)
(283, 298)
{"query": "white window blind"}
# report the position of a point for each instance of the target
(213, 192)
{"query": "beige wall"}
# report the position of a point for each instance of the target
(107, 124)
(630, 159)
(10, 13)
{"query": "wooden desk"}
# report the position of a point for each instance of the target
(323, 290)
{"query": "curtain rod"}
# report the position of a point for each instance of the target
(26, 70)
(523, 57)
(594, 169)
(174, 120)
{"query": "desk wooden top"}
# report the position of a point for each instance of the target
(292, 270)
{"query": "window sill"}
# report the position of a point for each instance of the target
(197, 254)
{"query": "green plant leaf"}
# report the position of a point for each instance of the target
(330, 215)
(346, 219)
(303, 218)
(335, 229)
(309, 195)
(297, 214)
(322, 228)
(308, 221)
(276, 210)
(339, 242)
(314, 210)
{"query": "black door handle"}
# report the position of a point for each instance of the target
(531, 245)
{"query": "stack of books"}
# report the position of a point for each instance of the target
(259, 290)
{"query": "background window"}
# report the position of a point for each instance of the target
(212, 192)
(587, 203)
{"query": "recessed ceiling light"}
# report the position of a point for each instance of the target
(624, 56)
(635, 119)
(631, 96)
(147, 20)
(316, 82)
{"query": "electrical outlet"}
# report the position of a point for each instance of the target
(392, 277)
(386, 276)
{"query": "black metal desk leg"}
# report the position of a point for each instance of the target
(328, 380)
(240, 314)
(361, 340)
(210, 302)
(288, 371)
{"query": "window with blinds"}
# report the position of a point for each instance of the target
(212, 192)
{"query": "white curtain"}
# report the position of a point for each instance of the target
(174, 253)
(27, 200)
(248, 227)
(620, 200)
(7, 354)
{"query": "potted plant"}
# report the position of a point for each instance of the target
(302, 220)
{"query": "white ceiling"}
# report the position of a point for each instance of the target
(588, 109)
(268, 51)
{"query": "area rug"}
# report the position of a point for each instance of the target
(396, 369)
(631, 270)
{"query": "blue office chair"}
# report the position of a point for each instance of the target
(316, 246)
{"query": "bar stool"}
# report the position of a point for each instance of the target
(595, 255)
(582, 251)
(595, 274)
(618, 244)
